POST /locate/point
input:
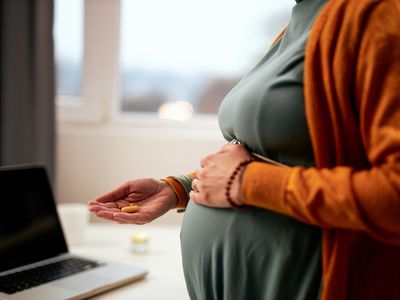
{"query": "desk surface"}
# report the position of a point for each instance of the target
(163, 260)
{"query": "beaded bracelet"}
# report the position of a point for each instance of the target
(230, 181)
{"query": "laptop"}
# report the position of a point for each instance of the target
(34, 258)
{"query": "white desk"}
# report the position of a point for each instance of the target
(165, 278)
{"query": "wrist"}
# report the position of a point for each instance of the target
(237, 187)
(180, 197)
(173, 196)
(233, 186)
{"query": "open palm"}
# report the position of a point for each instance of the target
(153, 197)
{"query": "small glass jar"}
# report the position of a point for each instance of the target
(140, 242)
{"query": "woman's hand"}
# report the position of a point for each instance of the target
(153, 197)
(213, 176)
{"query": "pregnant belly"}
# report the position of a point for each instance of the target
(267, 253)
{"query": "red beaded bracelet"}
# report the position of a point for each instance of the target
(230, 181)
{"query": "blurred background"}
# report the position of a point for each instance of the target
(137, 83)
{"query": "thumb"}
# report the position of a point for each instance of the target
(115, 195)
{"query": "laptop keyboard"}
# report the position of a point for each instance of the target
(19, 281)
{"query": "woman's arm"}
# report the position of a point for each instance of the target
(364, 199)
(344, 196)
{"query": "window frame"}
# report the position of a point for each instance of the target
(98, 98)
(99, 102)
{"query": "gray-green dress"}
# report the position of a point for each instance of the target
(258, 254)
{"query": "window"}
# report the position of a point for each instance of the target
(68, 35)
(180, 57)
(164, 59)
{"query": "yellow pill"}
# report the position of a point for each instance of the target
(130, 209)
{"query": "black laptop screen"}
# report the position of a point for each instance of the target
(29, 227)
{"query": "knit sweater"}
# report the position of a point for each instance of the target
(352, 100)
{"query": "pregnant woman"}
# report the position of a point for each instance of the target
(321, 218)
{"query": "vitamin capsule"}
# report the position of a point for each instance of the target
(130, 209)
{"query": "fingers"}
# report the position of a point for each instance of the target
(101, 206)
(202, 198)
(227, 147)
(112, 206)
(205, 160)
(92, 202)
(116, 215)
(231, 147)
(114, 195)
(194, 185)
(194, 196)
(197, 194)
(224, 149)
(132, 218)
(103, 212)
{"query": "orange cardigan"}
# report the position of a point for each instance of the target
(352, 99)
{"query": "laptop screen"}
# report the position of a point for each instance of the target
(29, 227)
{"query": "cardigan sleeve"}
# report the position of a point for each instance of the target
(344, 197)
(181, 185)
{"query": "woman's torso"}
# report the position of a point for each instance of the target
(258, 254)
